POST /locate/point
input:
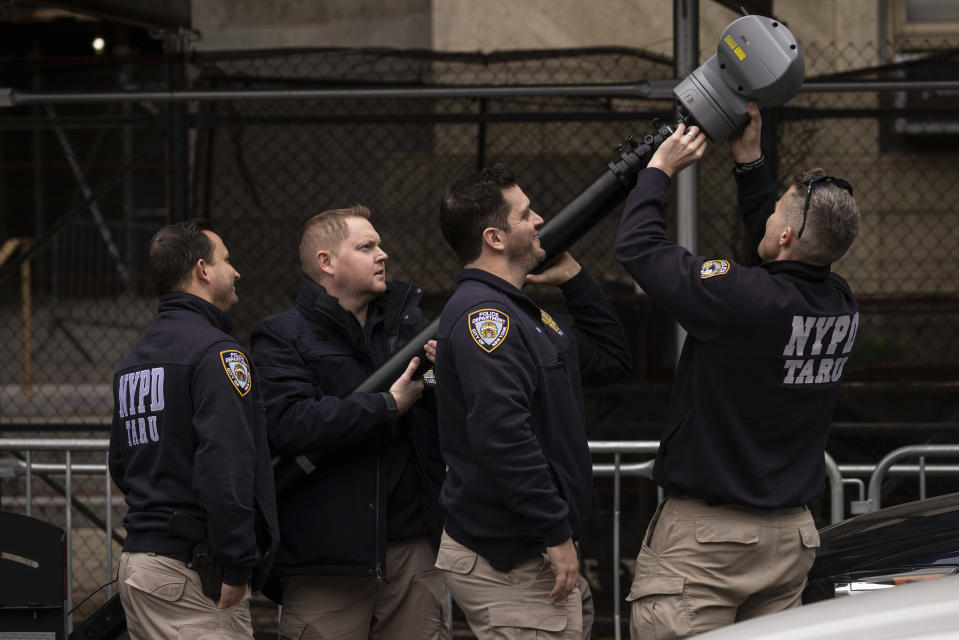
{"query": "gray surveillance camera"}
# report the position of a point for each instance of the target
(758, 59)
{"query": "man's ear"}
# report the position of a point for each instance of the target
(201, 271)
(787, 237)
(326, 261)
(494, 238)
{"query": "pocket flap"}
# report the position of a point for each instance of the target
(656, 586)
(532, 615)
(166, 586)
(810, 537)
(455, 560)
(713, 530)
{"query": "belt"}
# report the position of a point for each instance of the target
(183, 556)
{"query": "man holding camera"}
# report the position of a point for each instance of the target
(356, 556)
(509, 397)
(742, 449)
(188, 448)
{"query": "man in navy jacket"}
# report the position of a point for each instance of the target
(509, 396)
(742, 448)
(355, 560)
(188, 448)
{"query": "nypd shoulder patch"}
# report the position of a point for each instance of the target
(713, 268)
(488, 327)
(237, 370)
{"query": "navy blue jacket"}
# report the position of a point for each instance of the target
(312, 355)
(510, 403)
(189, 434)
(759, 373)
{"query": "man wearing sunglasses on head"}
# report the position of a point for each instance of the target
(742, 448)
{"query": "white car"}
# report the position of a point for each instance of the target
(924, 610)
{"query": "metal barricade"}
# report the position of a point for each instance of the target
(617, 470)
(914, 451)
(68, 446)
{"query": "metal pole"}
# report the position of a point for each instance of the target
(686, 57)
(836, 501)
(922, 477)
(177, 130)
(26, 320)
(68, 488)
(29, 484)
(617, 613)
(109, 528)
(661, 89)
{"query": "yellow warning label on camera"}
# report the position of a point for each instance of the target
(729, 40)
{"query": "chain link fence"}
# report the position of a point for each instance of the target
(92, 184)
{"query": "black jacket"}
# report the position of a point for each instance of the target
(509, 397)
(759, 373)
(189, 435)
(375, 469)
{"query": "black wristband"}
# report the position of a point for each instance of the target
(746, 167)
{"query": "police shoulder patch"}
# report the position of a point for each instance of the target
(549, 322)
(713, 268)
(488, 327)
(237, 370)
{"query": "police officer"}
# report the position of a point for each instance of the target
(356, 558)
(742, 448)
(188, 448)
(509, 396)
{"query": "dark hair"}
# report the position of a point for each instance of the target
(326, 230)
(472, 205)
(175, 249)
(832, 221)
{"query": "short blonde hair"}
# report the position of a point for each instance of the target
(326, 231)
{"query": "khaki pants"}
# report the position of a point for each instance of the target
(163, 599)
(514, 604)
(410, 603)
(703, 567)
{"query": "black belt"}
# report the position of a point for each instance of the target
(183, 556)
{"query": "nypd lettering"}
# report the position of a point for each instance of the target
(712, 268)
(140, 398)
(817, 348)
(237, 370)
(489, 328)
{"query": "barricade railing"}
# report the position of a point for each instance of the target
(645, 470)
(617, 469)
(68, 446)
(921, 451)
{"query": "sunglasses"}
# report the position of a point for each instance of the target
(810, 184)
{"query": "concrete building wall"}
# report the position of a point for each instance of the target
(497, 25)
(269, 24)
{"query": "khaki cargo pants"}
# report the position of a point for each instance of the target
(513, 605)
(703, 567)
(410, 603)
(163, 600)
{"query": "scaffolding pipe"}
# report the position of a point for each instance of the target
(660, 89)
(686, 57)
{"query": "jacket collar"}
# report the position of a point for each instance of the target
(499, 284)
(804, 270)
(189, 302)
(313, 300)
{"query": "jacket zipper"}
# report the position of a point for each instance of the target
(379, 565)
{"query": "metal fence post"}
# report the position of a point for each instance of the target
(109, 527)
(29, 483)
(68, 487)
(617, 614)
